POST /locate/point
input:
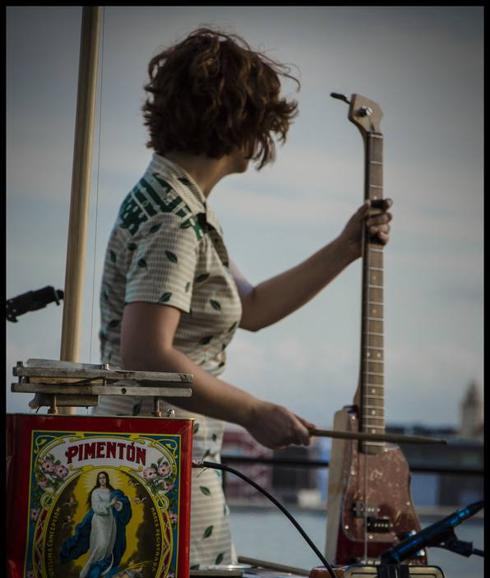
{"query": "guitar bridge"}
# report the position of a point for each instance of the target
(374, 522)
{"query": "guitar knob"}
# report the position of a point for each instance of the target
(365, 111)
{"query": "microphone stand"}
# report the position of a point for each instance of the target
(31, 301)
(440, 534)
(451, 543)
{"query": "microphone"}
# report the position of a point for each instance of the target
(31, 301)
(433, 535)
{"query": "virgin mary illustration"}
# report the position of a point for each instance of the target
(102, 532)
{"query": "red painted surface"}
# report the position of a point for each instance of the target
(19, 433)
(380, 480)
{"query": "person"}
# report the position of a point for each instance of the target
(102, 531)
(171, 296)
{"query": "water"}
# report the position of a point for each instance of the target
(269, 535)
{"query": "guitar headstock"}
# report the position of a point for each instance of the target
(365, 114)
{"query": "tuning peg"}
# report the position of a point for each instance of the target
(340, 97)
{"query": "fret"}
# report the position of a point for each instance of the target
(375, 303)
(373, 373)
(375, 286)
(374, 318)
(372, 250)
(376, 163)
(374, 380)
(373, 333)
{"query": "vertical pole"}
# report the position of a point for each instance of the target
(80, 188)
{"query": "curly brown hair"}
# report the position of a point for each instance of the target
(213, 94)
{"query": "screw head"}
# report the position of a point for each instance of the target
(365, 111)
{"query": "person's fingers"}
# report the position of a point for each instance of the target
(302, 434)
(385, 229)
(305, 422)
(383, 237)
(379, 219)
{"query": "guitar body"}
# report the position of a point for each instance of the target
(380, 481)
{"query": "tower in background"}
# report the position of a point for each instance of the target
(471, 409)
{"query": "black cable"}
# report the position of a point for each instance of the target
(216, 466)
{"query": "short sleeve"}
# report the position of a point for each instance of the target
(163, 262)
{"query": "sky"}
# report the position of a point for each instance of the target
(422, 65)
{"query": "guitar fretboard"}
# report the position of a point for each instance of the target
(372, 414)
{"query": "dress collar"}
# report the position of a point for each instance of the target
(187, 187)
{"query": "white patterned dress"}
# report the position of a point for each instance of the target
(167, 247)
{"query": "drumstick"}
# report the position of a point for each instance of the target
(385, 437)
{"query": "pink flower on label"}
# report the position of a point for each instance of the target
(61, 471)
(149, 473)
(34, 514)
(164, 470)
(47, 466)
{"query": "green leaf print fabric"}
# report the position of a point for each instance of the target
(163, 263)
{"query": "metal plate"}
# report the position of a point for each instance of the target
(415, 571)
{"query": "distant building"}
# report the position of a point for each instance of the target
(471, 409)
(298, 484)
(238, 442)
(445, 488)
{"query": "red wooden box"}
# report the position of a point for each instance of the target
(98, 496)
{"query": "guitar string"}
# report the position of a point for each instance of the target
(367, 264)
(99, 138)
(364, 447)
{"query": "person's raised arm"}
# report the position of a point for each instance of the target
(274, 299)
(147, 336)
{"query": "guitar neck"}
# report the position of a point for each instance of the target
(372, 413)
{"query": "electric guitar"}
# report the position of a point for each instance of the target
(369, 506)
